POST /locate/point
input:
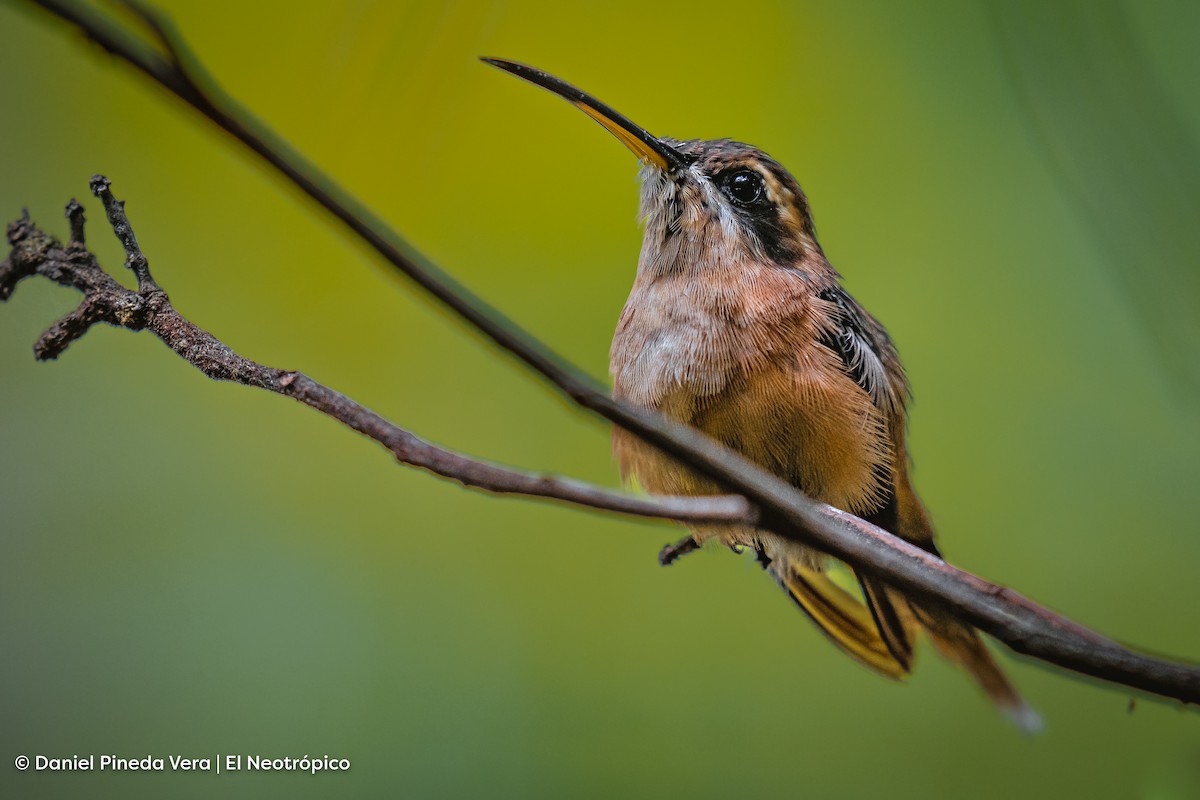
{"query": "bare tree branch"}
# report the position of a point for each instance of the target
(1019, 623)
(148, 308)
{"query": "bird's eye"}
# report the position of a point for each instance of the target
(744, 187)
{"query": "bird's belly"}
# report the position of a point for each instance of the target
(798, 416)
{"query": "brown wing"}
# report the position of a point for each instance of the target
(869, 357)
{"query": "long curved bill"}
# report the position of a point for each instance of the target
(637, 139)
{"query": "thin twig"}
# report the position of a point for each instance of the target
(1017, 622)
(148, 308)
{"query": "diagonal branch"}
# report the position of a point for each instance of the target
(1019, 623)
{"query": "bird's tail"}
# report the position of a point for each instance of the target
(897, 619)
(879, 633)
(962, 645)
(957, 641)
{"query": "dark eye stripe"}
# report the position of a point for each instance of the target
(776, 241)
(770, 214)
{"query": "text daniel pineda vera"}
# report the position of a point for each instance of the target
(175, 763)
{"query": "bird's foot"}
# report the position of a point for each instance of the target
(672, 552)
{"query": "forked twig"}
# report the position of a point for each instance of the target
(148, 308)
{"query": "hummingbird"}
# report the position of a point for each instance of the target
(738, 325)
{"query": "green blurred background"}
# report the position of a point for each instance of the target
(190, 567)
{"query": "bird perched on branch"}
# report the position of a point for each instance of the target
(737, 325)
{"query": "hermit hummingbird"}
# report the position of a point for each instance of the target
(738, 325)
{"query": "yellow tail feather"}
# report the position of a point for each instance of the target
(840, 616)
